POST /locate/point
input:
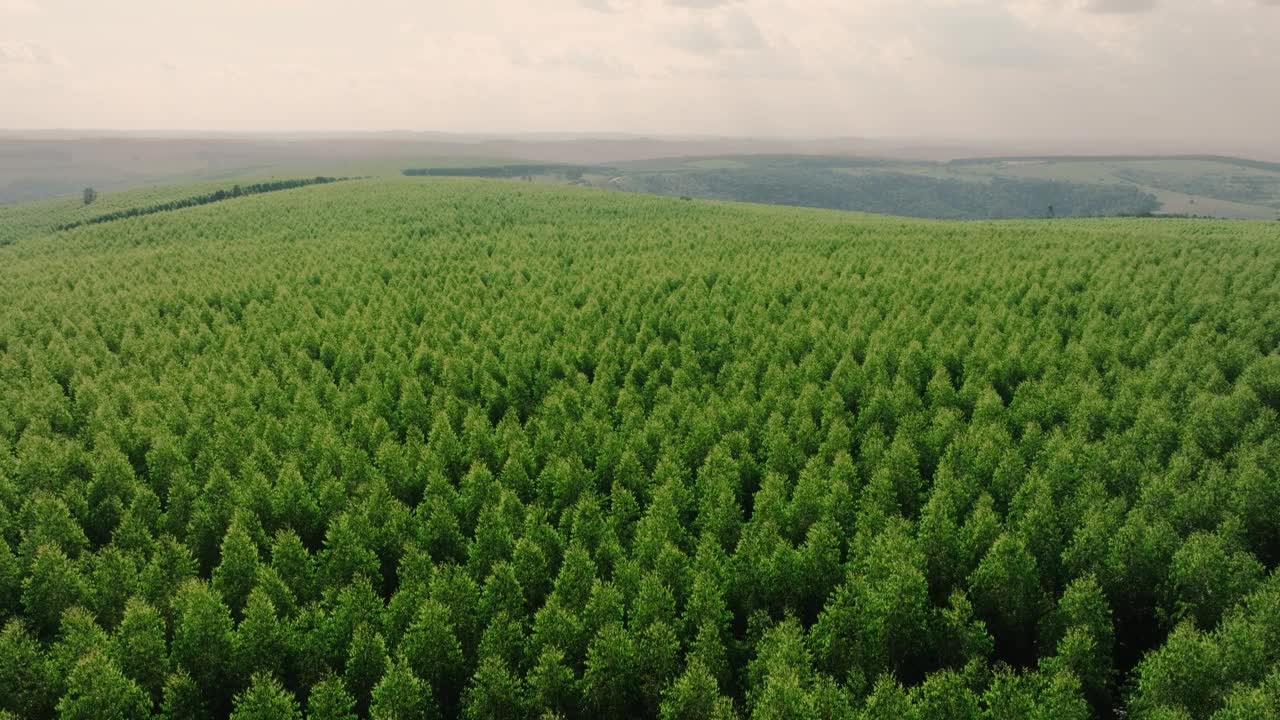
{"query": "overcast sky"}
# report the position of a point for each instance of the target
(1169, 70)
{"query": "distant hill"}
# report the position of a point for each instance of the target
(940, 181)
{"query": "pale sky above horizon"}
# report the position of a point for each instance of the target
(1167, 70)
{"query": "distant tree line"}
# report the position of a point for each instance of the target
(216, 196)
(510, 171)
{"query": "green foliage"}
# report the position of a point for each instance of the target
(265, 699)
(25, 671)
(52, 585)
(427, 448)
(329, 700)
(183, 698)
(236, 572)
(1008, 597)
(695, 695)
(97, 690)
(494, 693)
(203, 642)
(366, 663)
(261, 639)
(140, 647)
(400, 695)
(1206, 579)
(430, 646)
(1195, 671)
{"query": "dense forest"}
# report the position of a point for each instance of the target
(431, 448)
(895, 193)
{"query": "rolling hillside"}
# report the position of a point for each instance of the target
(845, 175)
(1210, 186)
(422, 447)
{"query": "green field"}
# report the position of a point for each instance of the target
(418, 448)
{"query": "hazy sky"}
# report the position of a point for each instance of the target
(1073, 69)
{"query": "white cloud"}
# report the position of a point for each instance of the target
(701, 4)
(24, 53)
(1121, 7)
(952, 68)
(598, 5)
(18, 7)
